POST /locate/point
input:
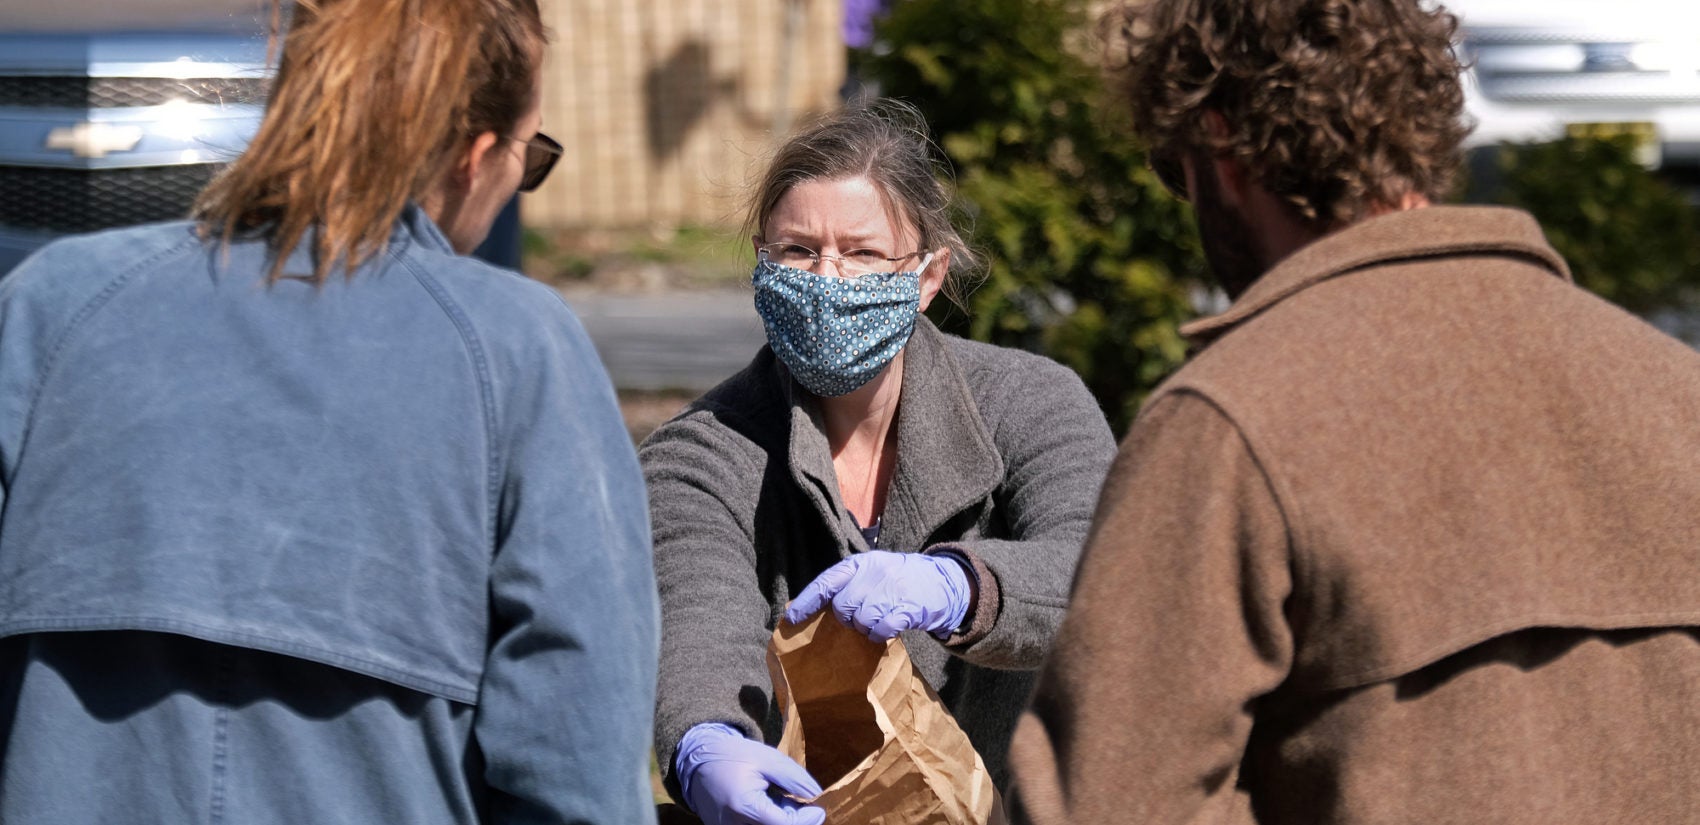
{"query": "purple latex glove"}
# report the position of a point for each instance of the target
(882, 594)
(728, 780)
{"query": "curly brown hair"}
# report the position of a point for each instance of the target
(1336, 106)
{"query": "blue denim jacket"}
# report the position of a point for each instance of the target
(417, 474)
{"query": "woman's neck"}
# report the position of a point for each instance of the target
(861, 431)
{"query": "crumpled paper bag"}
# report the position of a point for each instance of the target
(869, 728)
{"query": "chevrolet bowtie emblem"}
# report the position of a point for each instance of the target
(1608, 57)
(94, 140)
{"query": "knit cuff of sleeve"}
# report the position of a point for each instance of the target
(983, 612)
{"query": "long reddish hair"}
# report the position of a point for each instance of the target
(372, 102)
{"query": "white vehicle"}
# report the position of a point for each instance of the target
(1545, 68)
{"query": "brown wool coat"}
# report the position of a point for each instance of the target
(1414, 538)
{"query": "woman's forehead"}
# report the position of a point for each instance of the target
(838, 207)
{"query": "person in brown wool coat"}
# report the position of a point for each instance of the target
(1414, 536)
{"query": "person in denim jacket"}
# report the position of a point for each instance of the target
(306, 517)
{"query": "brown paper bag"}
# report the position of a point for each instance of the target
(865, 724)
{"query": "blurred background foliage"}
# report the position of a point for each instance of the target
(1088, 260)
(1092, 263)
(1628, 234)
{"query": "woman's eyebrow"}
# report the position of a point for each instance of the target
(865, 238)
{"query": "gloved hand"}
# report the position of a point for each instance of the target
(726, 778)
(882, 594)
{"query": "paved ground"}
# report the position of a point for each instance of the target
(669, 341)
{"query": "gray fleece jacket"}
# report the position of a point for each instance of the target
(1001, 454)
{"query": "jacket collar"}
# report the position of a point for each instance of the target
(946, 458)
(411, 227)
(417, 227)
(1430, 232)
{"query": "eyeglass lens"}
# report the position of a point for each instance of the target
(541, 154)
(1170, 173)
(856, 261)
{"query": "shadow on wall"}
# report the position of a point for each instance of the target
(682, 90)
(678, 93)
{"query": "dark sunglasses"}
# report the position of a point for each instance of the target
(541, 153)
(1169, 172)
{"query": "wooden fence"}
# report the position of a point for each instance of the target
(664, 106)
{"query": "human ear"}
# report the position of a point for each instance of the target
(1233, 180)
(472, 161)
(932, 278)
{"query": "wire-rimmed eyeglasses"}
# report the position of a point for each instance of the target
(850, 265)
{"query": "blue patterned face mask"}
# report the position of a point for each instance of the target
(836, 334)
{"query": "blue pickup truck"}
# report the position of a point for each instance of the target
(117, 112)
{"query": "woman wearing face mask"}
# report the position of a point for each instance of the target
(306, 517)
(865, 463)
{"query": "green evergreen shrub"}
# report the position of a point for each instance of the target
(1089, 260)
(1628, 235)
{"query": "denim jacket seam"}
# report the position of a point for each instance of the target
(81, 316)
(220, 773)
(475, 350)
(272, 642)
